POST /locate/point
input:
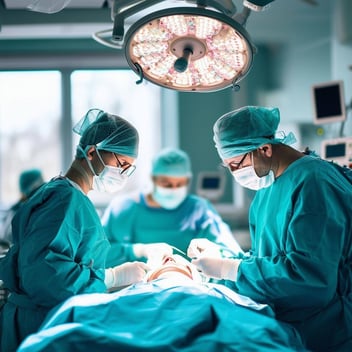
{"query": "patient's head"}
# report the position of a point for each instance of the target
(174, 267)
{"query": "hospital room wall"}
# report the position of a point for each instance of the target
(308, 57)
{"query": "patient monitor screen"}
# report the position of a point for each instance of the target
(335, 150)
(338, 150)
(211, 182)
(211, 185)
(328, 102)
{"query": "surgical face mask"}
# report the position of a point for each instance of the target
(110, 180)
(247, 177)
(170, 198)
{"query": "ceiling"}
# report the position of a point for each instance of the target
(23, 4)
(47, 39)
(80, 18)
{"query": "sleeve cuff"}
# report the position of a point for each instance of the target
(137, 250)
(109, 278)
(229, 269)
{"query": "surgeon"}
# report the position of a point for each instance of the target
(300, 226)
(29, 181)
(59, 245)
(145, 227)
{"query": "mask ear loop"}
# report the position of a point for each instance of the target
(252, 161)
(84, 151)
(271, 163)
(270, 169)
(99, 156)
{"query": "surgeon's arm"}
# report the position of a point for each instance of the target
(218, 268)
(117, 222)
(216, 230)
(302, 268)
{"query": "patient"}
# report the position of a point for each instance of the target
(174, 309)
(170, 268)
(174, 267)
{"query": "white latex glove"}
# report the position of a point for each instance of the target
(218, 268)
(150, 250)
(125, 274)
(203, 247)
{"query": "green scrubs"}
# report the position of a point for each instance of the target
(301, 261)
(133, 221)
(59, 251)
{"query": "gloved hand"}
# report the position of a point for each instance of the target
(218, 268)
(125, 274)
(159, 249)
(203, 247)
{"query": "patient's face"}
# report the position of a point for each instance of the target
(174, 267)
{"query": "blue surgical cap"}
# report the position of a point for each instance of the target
(107, 132)
(246, 129)
(30, 180)
(172, 162)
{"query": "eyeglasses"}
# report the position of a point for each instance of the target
(235, 165)
(126, 168)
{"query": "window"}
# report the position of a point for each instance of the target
(30, 127)
(31, 121)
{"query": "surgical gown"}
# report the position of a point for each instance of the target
(301, 261)
(133, 221)
(59, 251)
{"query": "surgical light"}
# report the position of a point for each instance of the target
(200, 47)
(189, 49)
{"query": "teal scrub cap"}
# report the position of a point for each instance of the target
(30, 180)
(246, 129)
(107, 132)
(172, 162)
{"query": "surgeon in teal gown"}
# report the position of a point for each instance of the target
(59, 245)
(148, 224)
(301, 230)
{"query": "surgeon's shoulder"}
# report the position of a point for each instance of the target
(199, 202)
(315, 170)
(61, 189)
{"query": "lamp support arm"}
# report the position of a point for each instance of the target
(225, 6)
(122, 9)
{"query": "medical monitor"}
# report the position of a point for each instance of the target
(211, 185)
(328, 102)
(338, 150)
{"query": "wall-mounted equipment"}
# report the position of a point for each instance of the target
(329, 102)
(338, 150)
(211, 185)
